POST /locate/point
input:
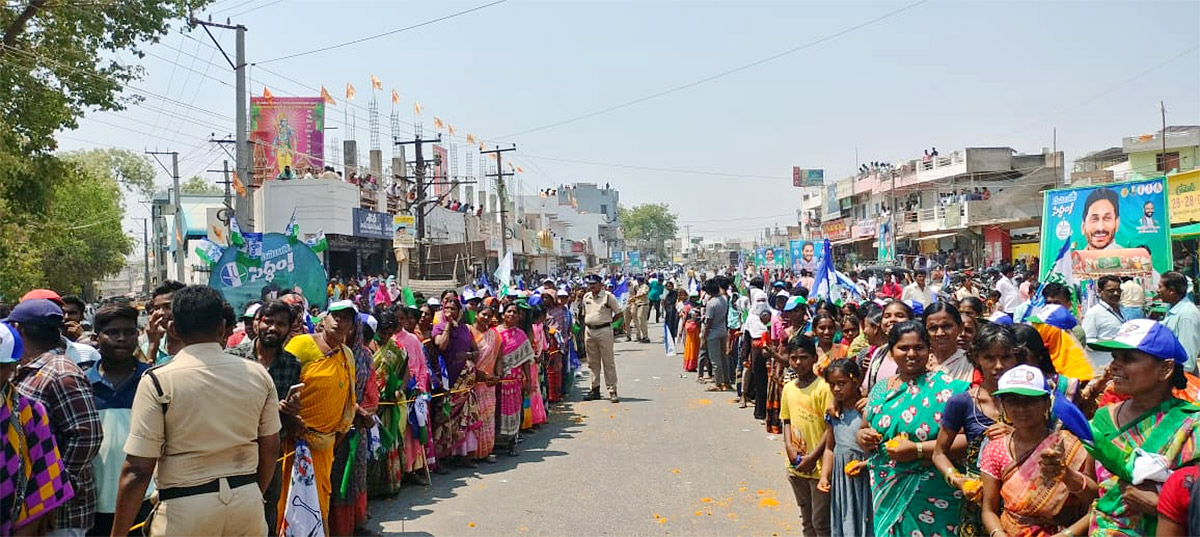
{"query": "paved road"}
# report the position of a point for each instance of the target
(669, 459)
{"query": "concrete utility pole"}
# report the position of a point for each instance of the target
(500, 175)
(1163, 107)
(145, 258)
(418, 205)
(245, 204)
(180, 233)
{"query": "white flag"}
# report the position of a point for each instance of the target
(302, 513)
(668, 341)
(504, 270)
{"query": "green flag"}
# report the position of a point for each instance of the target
(317, 242)
(409, 299)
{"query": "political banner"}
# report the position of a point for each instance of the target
(886, 252)
(617, 257)
(1185, 197)
(288, 136)
(405, 226)
(760, 258)
(1113, 229)
(805, 255)
(283, 265)
(781, 259)
(635, 259)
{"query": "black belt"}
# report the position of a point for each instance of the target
(599, 326)
(236, 481)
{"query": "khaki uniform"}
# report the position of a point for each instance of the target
(598, 314)
(219, 405)
(641, 300)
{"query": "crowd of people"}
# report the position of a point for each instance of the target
(193, 419)
(940, 413)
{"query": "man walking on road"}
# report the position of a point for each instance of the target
(599, 309)
(716, 333)
(641, 301)
(656, 293)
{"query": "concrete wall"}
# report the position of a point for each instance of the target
(1146, 162)
(591, 198)
(989, 159)
(319, 204)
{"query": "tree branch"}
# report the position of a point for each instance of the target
(17, 27)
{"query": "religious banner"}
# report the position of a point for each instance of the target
(282, 265)
(288, 137)
(1119, 226)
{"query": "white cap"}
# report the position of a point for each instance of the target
(11, 345)
(433, 302)
(252, 310)
(563, 292)
(373, 323)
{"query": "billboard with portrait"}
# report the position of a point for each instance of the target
(805, 255)
(288, 135)
(1116, 228)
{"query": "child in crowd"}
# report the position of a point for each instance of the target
(802, 405)
(851, 487)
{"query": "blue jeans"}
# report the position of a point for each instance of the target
(1132, 313)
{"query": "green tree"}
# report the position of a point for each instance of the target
(650, 224)
(198, 185)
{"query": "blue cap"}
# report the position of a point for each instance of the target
(38, 311)
(918, 308)
(1054, 315)
(1146, 336)
(793, 303)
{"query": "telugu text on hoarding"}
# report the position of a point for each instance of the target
(288, 136)
(1116, 228)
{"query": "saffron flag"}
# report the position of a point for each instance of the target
(350, 92)
(471, 139)
(395, 97)
(438, 123)
(520, 169)
(302, 512)
(451, 129)
(417, 108)
(238, 185)
(375, 83)
(327, 97)
(270, 97)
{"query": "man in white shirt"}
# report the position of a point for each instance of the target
(1133, 299)
(1104, 320)
(1010, 298)
(919, 291)
(967, 289)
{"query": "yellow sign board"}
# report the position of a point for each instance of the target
(1184, 197)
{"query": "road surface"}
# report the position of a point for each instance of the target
(669, 459)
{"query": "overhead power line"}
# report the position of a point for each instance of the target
(385, 34)
(722, 74)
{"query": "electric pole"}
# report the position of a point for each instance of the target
(418, 205)
(1163, 107)
(245, 204)
(500, 175)
(180, 233)
(145, 258)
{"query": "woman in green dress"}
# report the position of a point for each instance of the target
(903, 415)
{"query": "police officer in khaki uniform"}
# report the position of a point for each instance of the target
(600, 307)
(206, 426)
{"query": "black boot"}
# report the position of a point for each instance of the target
(592, 395)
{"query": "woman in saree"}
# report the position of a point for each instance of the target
(899, 432)
(691, 340)
(825, 328)
(438, 415)
(533, 403)
(348, 505)
(1031, 350)
(327, 402)
(1038, 472)
(945, 325)
(390, 362)
(415, 393)
(1147, 364)
(487, 340)
(970, 420)
(458, 352)
(515, 352)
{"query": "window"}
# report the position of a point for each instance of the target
(603, 208)
(1170, 159)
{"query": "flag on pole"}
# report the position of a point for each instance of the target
(504, 270)
(668, 341)
(830, 284)
(417, 108)
(376, 83)
(350, 92)
(209, 251)
(317, 241)
(482, 147)
(293, 229)
(302, 512)
(471, 139)
(1060, 272)
(438, 123)
(238, 185)
(451, 129)
(235, 232)
(520, 169)
(327, 97)
(268, 95)
(395, 97)
(250, 253)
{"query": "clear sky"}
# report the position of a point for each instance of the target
(944, 74)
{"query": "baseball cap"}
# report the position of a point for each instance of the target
(37, 311)
(793, 303)
(548, 281)
(918, 308)
(594, 278)
(369, 320)
(433, 302)
(468, 296)
(11, 345)
(251, 311)
(342, 305)
(784, 294)
(1146, 336)
(1054, 315)
(1022, 380)
(563, 292)
(47, 294)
